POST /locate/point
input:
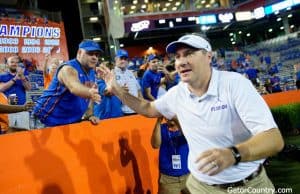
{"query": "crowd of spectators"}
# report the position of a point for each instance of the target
(264, 74)
(23, 17)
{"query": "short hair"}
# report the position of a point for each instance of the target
(11, 57)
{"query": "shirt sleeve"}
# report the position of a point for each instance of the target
(251, 107)
(166, 104)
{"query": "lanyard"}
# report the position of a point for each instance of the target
(174, 140)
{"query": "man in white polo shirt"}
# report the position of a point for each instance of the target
(126, 78)
(228, 126)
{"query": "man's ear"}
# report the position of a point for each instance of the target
(79, 51)
(209, 54)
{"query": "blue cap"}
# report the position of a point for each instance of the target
(151, 57)
(90, 45)
(122, 53)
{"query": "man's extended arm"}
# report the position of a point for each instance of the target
(141, 106)
(15, 108)
(69, 77)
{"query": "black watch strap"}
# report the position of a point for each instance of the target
(236, 154)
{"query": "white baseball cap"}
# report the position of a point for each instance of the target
(191, 40)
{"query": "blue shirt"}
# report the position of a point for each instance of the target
(57, 105)
(174, 82)
(277, 87)
(273, 70)
(151, 80)
(268, 60)
(252, 73)
(17, 88)
(110, 106)
(172, 143)
(298, 75)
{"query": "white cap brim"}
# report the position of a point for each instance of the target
(191, 40)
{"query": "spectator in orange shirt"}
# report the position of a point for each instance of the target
(50, 67)
(5, 108)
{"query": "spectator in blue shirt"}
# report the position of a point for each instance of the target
(273, 69)
(152, 78)
(72, 92)
(252, 75)
(110, 105)
(15, 80)
(173, 153)
(268, 60)
(298, 79)
(275, 81)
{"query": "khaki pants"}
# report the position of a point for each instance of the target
(259, 185)
(172, 185)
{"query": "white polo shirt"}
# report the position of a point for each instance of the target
(128, 78)
(230, 112)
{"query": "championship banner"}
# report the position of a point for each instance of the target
(31, 40)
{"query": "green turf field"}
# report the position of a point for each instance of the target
(285, 172)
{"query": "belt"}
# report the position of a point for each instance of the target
(128, 114)
(241, 182)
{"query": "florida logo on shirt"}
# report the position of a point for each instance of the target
(219, 107)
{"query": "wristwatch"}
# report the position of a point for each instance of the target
(236, 154)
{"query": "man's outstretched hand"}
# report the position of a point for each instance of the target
(108, 76)
(94, 94)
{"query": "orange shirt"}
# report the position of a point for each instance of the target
(47, 80)
(3, 117)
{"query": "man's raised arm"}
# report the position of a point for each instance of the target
(141, 106)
